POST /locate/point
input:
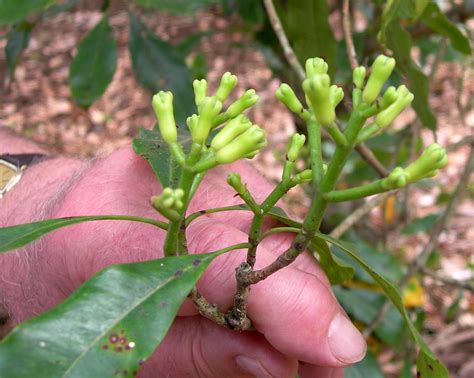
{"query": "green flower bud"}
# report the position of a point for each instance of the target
(169, 202)
(229, 132)
(315, 66)
(192, 123)
(381, 70)
(432, 159)
(396, 179)
(247, 100)
(389, 97)
(304, 176)
(404, 98)
(209, 108)
(336, 94)
(247, 144)
(227, 84)
(358, 76)
(295, 146)
(318, 93)
(200, 91)
(286, 95)
(235, 181)
(162, 103)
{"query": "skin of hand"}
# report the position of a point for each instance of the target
(300, 326)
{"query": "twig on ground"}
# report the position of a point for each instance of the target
(420, 260)
(354, 217)
(463, 284)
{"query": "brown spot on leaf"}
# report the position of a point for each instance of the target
(163, 303)
(113, 338)
(141, 362)
(178, 273)
(123, 340)
(118, 349)
(197, 262)
(105, 347)
(430, 367)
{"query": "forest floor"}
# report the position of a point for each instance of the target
(37, 105)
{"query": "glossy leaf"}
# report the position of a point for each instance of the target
(176, 6)
(437, 21)
(368, 367)
(420, 224)
(158, 65)
(109, 326)
(153, 148)
(363, 305)
(427, 363)
(18, 236)
(94, 65)
(334, 268)
(18, 40)
(307, 28)
(12, 11)
(400, 42)
(392, 10)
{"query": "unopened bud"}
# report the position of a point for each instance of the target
(389, 97)
(162, 103)
(209, 108)
(227, 84)
(403, 99)
(381, 70)
(247, 144)
(358, 76)
(287, 96)
(315, 66)
(247, 100)
(318, 93)
(295, 146)
(229, 132)
(200, 91)
(432, 159)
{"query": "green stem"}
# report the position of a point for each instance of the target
(355, 193)
(314, 137)
(336, 134)
(200, 213)
(279, 230)
(175, 232)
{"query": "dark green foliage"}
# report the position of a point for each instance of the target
(111, 324)
(93, 67)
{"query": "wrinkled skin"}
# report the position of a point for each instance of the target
(292, 310)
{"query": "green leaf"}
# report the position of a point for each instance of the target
(18, 236)
(18, 40)
(334, 268)
(154, 149)
(158, 65)
(368, 367)
(306, 24)
(94, 65)
(12, 11)
(188, 44)
(420, 224)
(176, 6)
(427, 363)
(438, 22)
(110, 325)
(393, 10)
(400, 42)
(364, 305)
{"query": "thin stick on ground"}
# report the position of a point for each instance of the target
(360, 212)
(462, 284)
(420, 261)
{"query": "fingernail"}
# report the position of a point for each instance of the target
(251, 366)
(345, 341)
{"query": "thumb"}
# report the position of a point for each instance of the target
(195, 347)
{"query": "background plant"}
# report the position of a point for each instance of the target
(423, 38)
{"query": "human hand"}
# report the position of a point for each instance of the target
(298, 321)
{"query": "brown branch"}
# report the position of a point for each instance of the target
(420, 260)
(370, 158)
(346, 27)
(285, 44)
(206, 309)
